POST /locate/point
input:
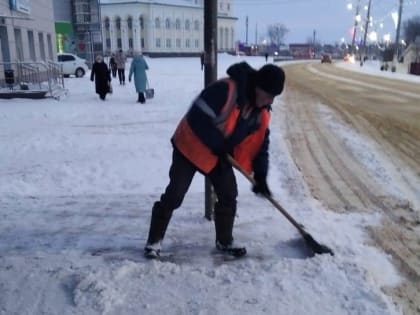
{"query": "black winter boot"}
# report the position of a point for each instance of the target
(158, 225)
(141, 98)
(224, 218)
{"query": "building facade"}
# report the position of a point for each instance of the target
(27, 31)
(78, 27)
(163, 27)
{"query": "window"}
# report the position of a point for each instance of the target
(157, 42)
(50, 47)
(142, 42)
(157, 23)
(177, 24)
(187, 24)
(19, 45)
(141, 23)
(167, 24)
(197, 43)
(168, 43)
(31, 43)
(41, 45)
(187, 43)
(196, 25)
(178, 43)
(66, 58)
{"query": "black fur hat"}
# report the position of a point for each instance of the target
(270, 78)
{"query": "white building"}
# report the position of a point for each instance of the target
(27, 31)
(163, 27)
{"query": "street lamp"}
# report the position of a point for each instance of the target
(366, 30)
(397, 37)
(356, 21)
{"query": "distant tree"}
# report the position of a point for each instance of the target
(277, 33)
(411, 29)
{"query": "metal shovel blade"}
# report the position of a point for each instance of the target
(316, 247)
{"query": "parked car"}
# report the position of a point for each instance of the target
(326, 58)
(72, 64)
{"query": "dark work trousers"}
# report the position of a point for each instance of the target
(181, 174)
(121, 76)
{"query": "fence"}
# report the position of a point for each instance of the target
(32, 76)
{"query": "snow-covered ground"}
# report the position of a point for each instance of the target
(78, 178)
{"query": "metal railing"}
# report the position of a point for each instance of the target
(34, 76)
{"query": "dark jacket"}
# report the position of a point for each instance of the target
(202, 123)
(112, 63)
(102, 77)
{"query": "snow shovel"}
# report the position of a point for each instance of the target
(316, 247)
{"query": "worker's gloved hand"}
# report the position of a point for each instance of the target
(261, 187)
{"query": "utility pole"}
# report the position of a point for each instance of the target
(366, 31)
(210, 75)
(256, 34)
(397, 38)
(246, 29)
(313, 43)
(353, 41)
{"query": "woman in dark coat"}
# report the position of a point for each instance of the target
(100, 74)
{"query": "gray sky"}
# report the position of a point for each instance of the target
(331, 19)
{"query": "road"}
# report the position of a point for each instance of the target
(387, 113)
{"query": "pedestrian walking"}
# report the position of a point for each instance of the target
(230, 116)
(113, 65)
(138, 69)
(100, 74)
(121, 59)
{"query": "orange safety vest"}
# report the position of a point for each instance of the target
(187, 142)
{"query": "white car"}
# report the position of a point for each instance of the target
(72, 64)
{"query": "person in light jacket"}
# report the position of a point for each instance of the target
(121, 59)
(138, 68)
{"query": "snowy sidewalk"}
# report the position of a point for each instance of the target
(78, 179)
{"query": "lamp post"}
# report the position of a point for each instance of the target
(397, 38)
(365, 35)
(353, 41)
(210, 75)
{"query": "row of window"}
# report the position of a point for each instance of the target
(31, 45)
(158, 24)
(158, 43)
(177, 43)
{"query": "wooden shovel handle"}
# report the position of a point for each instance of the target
(236, 165)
